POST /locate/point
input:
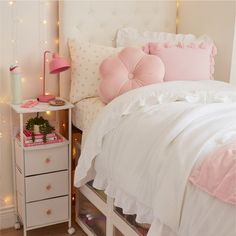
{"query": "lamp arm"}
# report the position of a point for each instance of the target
(44, 70)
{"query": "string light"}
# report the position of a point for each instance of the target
(74, 151)
(177, 16)
(14, 40)
(2, 100)
(40, 77)
(14, 23)
(7, 200)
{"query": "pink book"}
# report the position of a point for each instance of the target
(28, 136)
(58, 139)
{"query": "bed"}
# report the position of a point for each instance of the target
(200, 213)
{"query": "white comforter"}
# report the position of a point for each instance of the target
(146, 142)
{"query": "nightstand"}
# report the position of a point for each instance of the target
(42, 173)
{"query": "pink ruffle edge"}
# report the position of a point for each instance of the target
(192, 45)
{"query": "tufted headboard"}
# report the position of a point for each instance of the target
(98, 22)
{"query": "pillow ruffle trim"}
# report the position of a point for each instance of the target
(197, 44)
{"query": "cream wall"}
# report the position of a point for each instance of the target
(233, 64)
(27, 28)
(216, 19)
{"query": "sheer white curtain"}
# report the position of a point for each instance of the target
(27, 28)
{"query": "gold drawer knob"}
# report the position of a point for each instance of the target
(47, 160)
(49, 187)
(49, 212)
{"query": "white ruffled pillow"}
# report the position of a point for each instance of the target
(130, 37)
(85, 61)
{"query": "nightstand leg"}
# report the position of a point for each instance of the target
(23, 170)
(25, 232)
(70, 230)
(14, 171)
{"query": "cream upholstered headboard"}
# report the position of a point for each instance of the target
(98, 22)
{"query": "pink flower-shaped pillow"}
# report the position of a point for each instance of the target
(130, 69)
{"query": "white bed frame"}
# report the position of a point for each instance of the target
(98, 22)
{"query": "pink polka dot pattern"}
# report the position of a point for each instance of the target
(85, 61)
(85, 113)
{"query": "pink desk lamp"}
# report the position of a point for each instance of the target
(56, 66)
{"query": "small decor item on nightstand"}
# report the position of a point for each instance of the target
(29, 104)
(39, 125)
(57, 102)
(16, 90)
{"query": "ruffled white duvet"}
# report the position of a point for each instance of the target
(143, 145)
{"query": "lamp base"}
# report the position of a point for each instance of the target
(45, 98)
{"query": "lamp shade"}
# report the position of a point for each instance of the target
(58, 64)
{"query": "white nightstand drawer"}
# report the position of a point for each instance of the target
(46, 186)
(47, 211)
(46, 160)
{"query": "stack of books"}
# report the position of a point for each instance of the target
(38, 138)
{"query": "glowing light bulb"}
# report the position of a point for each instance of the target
(177, 3)
(22, 79)
(64, 125)
(46, 93)
(7, 200)
(74, 151)
(44, 22)
(46, 42)
(16, 62)
(40, 77)
(11, 3)
(58, 23)
(56, 41)
(0, 134)
(48, 112)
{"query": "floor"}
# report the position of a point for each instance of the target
(57, 230)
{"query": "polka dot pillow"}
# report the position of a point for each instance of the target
(85, 61)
